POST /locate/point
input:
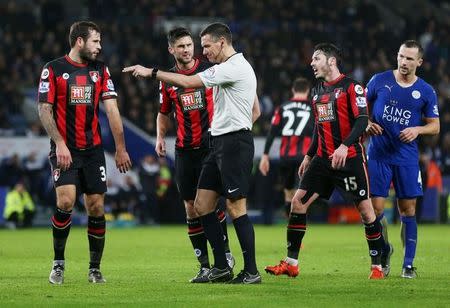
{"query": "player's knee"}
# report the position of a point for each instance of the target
(236, 207)
(65, 203)
(366, 211)
(378, 206)
(200, 207)
(95, 205)
(95, 209)
(298, 204)
(191, 212)
(411, 211)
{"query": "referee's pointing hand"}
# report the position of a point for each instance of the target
(138, 71)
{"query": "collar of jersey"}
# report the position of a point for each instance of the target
(68, 59)
(188, 71)
(333, 82)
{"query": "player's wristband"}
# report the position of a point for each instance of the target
(154, 72)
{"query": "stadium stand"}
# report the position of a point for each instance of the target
(277, 36)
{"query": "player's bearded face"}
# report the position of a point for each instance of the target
(91, 47)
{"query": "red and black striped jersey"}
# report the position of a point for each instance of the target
(336, 106)
(75, 90)
(294, 122)
(193, 109)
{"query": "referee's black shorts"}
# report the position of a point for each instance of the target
(228, 166)
(188, 165)
(352, 180)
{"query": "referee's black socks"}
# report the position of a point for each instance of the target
(223, 222)
(246, 235)
(214, 234)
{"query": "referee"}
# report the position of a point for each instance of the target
(226, 170)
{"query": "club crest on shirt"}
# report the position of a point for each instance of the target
(191, 100)
(56, 174)
(94, 75)
(416, 94)
(337, 92)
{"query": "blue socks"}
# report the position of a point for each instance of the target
(409, 234)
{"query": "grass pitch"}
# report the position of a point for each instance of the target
(151, 267)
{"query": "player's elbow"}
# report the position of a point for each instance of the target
(256, 114)
(437, 129)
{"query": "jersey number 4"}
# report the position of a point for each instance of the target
(288, 129)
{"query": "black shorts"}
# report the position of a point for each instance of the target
(188, 165)
(87, 171)
(352, 180)
(288, 173)
(228, 166)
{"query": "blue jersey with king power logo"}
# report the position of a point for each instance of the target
(395, 108)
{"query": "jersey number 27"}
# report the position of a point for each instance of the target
(288, 129)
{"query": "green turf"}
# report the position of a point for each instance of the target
(151, 266)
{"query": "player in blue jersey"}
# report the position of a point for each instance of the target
(404, 107)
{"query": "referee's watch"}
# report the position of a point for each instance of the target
(154, 72)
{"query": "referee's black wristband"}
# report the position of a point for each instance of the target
(154, 72)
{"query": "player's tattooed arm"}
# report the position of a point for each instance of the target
(46, 116)
(63, 156)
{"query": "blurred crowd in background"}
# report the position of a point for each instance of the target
(277, 36)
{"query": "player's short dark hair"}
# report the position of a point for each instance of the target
(414, 44)
(330, 50)
(176, 34)
(81, 29)
(301, 85)
(218, 30)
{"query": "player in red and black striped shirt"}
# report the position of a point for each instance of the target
(335, 158)
(193, 109)
(294, 122)
(70, 91)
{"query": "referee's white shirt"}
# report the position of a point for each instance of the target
(234, 83)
